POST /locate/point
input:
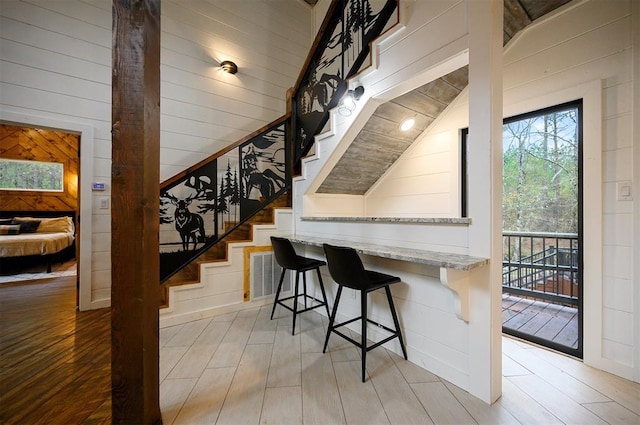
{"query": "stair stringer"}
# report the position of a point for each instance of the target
(392, 73)
(340, 131)
(221, 286)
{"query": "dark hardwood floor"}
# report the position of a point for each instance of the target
(55, 362)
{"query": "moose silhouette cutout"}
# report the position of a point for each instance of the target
(190, 225)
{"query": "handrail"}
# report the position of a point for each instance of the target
(541, 234)
(261, 171)
(338, 52)
(224, 150)
(204, 203)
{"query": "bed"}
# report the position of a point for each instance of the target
(36, 237)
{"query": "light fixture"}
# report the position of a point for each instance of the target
(228, 66)
(348, 102)
(407, 124)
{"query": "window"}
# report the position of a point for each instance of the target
(540, 180)
(540, 170)
(31, 175)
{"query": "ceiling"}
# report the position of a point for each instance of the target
(380, 142)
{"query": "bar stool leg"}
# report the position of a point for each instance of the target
(275, 302)
(395, 321)
(324, 294)
(363, 341)
(304, 287)
(332, 318)
(295, 304)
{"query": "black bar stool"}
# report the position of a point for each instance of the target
(346, 269)
(287, 258)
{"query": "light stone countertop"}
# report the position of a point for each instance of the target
(425, 220)
(431, 258)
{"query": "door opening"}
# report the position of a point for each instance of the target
(542, 288)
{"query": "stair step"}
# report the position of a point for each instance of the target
(190, 274)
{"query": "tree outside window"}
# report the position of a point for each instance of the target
(540, 172)
(31, 175)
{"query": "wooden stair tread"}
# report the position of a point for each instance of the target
(190, 274)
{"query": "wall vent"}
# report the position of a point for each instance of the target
(265, 275)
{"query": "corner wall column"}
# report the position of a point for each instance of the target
(485, 196)
(135, 273)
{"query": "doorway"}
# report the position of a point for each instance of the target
(39, 180)
(543, 244)
(85, 208)
(542, 298)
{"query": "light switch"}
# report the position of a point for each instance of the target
(104, 203)
(624, 191)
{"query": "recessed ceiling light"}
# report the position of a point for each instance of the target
(407, 124)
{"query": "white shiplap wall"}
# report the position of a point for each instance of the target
(584, 42)
(435, 337)
(55, 64)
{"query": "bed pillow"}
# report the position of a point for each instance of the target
(27, 226)
(56, 225)
(9, 229)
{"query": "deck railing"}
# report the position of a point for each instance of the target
(541, 266)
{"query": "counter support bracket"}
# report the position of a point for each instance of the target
(458, 281)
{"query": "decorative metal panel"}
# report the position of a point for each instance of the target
(213, 200)
(340, 54)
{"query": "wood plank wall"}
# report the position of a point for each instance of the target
(35, 144)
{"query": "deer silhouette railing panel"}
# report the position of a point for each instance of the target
(207, 203)
(343, 45)
(203, 204)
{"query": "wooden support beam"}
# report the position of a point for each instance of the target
(135, 289)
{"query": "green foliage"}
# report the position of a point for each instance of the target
(31, 175)
(540, 173)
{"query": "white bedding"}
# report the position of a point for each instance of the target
(34, 244)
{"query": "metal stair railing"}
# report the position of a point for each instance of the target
(203, 204)
(339, 51)
(206, 202)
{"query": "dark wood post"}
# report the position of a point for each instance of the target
(135, 288)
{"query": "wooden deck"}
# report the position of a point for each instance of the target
(544, 320)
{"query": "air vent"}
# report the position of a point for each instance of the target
(265, 275)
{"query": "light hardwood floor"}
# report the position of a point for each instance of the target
(243, 368)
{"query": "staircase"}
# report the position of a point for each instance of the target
(238, 197)
(219, 252)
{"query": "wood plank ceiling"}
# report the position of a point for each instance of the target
(380, 142)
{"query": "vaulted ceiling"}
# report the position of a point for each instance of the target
(380, 142)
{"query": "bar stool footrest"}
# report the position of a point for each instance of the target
(320, 303)
(394, 333)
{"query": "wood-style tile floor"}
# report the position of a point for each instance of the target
(243, 368)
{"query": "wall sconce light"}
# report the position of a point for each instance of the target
(407, 124)
(348, 102)
(228, 66)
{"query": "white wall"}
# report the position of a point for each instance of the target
(55, 64)
(436, 338)
(589, 43)
(560, 58)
